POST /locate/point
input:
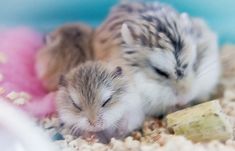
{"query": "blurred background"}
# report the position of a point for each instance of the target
(44, 15)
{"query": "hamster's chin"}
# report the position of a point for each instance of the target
(95, 128)
(98, 127)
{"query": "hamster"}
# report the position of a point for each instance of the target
(98, 98)
(66, 47)
(174, 57)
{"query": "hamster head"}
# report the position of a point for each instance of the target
(162, 48)
(90, 97)
(69, 35)
(64, 48)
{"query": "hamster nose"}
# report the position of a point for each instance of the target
(180, 74)
(92, 122)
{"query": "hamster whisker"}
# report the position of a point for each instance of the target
(206, 69)
(75, 130)
(72, 129)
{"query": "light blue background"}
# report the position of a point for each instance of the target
(47, 14)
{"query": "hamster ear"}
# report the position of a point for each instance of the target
(117, 72)
(126, 34)
(185, 20)
(62, 81)
(47, 38)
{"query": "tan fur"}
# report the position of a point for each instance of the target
(66, 47)
(107, 39)
(83, 86)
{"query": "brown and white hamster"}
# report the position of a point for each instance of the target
(174, 57)
(66, 47)
(96, 97)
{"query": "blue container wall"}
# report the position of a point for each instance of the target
(47, 14)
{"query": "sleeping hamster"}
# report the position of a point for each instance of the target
(174, 57)
(96, 97)
(66, 47)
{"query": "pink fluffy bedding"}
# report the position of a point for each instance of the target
(18, 48)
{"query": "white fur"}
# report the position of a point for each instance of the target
(156, 98)
(134, 113)
(24, 129)
(208, 78)
(73, 95)
(106, 93)
(132, 117)
(210, 71)
(126, 34)
(164, 61)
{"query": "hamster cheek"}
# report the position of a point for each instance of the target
(71, 118)
(112, 115)
(82, 123)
